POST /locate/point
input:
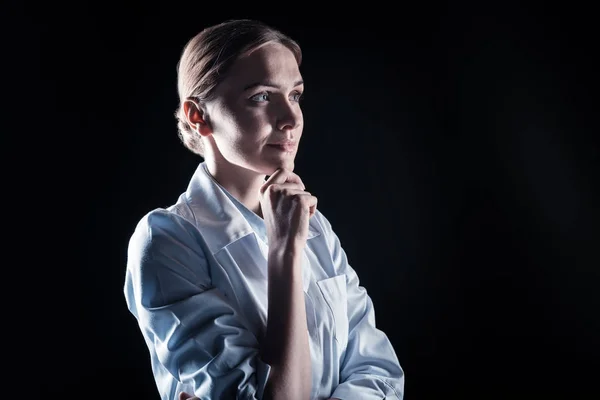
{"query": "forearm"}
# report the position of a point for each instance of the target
(285, 347)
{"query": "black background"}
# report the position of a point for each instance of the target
(453, 148)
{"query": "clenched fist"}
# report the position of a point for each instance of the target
(286, 208)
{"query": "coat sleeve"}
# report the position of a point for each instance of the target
(197, 336)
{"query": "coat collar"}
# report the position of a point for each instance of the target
(221, 218)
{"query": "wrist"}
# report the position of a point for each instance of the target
(285, 257)
(286, 250)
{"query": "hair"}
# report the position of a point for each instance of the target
(206, 59)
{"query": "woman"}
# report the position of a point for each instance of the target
(241, 288)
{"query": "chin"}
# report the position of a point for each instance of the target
(287, 164)
(272, 166)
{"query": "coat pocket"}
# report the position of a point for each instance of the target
(334, 292)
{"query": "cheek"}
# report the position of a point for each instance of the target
(252, 126)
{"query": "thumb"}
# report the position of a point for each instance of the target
(187, 396)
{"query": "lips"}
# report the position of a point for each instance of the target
(283, 146)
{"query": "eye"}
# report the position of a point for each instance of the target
(297, 96)
(260, 97)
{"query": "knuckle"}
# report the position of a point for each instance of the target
(297, 199)
(304, 200)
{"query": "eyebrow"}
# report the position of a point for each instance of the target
(269, 84)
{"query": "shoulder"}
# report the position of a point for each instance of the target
(161, 229)
(165, 260)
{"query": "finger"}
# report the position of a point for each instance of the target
(294, 178)
(289, 187)
(276, 193)
(311, 203)
(282, 176)
(313, 207)
(186, 396)
(279, 176)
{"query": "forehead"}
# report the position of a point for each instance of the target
(272, 62)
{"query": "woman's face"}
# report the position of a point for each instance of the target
(255, 117)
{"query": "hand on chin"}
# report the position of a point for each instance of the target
(287, 164)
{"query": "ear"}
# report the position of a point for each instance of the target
(196, 116)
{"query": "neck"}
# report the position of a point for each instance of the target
(241, 183)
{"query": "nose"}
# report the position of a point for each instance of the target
(289, 116)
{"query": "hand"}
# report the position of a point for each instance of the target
(187, 396)
(286, 208)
